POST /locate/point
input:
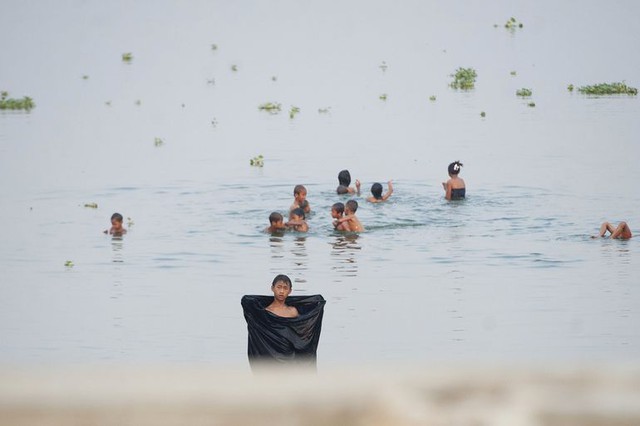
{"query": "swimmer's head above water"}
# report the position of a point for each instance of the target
(454, 168)
(376, 191)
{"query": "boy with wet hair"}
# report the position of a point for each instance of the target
(344, 180)
(300, 199)
(117, 230)
(350, 220)
(376, 191)
(337, 212)
(281, 287)
(276, 223)
(296, 221)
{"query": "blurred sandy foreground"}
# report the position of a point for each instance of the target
(366, 395)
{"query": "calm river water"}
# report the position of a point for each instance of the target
(510, 274)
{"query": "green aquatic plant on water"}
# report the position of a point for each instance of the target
(608, 89)
(68, 264)
(383, 97)
(26, 103)
(274, 78)
(432, 98)
(570, 87)
(257, 161)
(127, 57)
(293, 111)
(483, 114)
(234, 68)
(138, 102)
(512, 24)
(214, 47)
(513, 73)
(524, 92)
(85, 77)
(158, 142)
(464, 78)
(91, 205)
(531, 104)
(324, 110)
(270, 107)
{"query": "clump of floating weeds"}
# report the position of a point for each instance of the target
(270, 107)
(483, 114)
(326, 110)
(383, 66)
(531, 104)
(138, 102)
(85, 77)
(570, 87)
(274, 78)
(257, 161)
(158, 142)
(608, 89)
(91, 205)
(524, 92)
(127, 57)
(234, 68)
(214, 47)
(464, 78)
(432, 97)
(26, 103)
(383, 97)
(68, 264)
(293, 111)
(513, 73)
(512, 24)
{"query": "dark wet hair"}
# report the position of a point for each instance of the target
(285, 279)
(342, 190)
(339, 207)
(275, 217)
(352, 205)
(298, 212)
(376, 190)
(298, 189)
(344, 178)
(454, 168)
(117, 216)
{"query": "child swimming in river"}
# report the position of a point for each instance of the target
(621, 232)
(276, 223)
(376, 191)
(454, 188)
(297, 221)
(300, 199)
(117, 230)
(344, 180)
(337, 212)
(351, 222)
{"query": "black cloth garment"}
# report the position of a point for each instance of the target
(283, 340)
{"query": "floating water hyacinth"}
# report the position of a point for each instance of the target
(270, 107)
(158, 142)
(234, 68)
(91, 205)
(324, 110)
(524, 92)
(464, 78)
(512, 24)
(531, 104)
(432, 98)
(608, 89)
(483, 114)
(383, 97)
(570, 87)
(513, 73)
(68, 264)
(127, 57)
(26, 103)
(293, 111)
(257, 161)
(85, 77)
(214, 47)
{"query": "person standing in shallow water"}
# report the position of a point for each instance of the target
(454, 188)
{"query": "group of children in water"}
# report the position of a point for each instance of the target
(344, 214)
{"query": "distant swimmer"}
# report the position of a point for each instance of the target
(297, 221)
(337, 213)
(276, 223)
(117, 230)
(300, 199)
(350, 220)
(377, 195)
(454, 188)
(344, 180)
(620, 232)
